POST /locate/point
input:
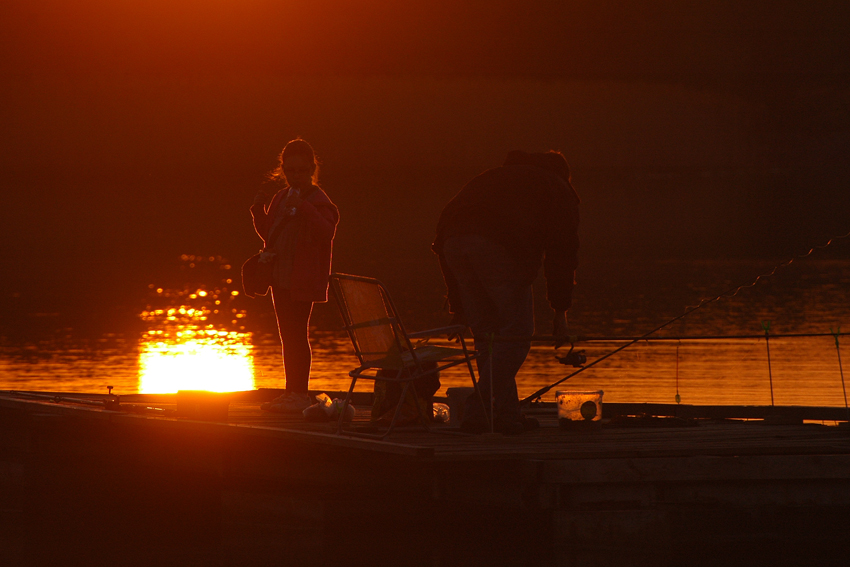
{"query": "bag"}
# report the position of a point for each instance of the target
(388, 396)
(257, 273)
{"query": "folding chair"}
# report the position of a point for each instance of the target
(381, 342)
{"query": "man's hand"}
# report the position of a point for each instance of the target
(560, 328)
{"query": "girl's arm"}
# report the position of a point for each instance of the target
(262, 219)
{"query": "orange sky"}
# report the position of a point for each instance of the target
(691, 127)
(658, 38)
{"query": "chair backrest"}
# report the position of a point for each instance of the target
(370, 318)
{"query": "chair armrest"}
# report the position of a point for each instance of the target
(450, 330)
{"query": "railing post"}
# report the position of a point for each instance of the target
(766, 326)
(678, 397)
(835, 334)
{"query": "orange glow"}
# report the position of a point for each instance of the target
(188, 359)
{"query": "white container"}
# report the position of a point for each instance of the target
(579, 405)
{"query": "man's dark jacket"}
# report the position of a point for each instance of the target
(530, 211)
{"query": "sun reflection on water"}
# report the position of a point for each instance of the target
(217, 361)
(196, 339)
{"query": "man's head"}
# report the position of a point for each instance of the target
(550, 161)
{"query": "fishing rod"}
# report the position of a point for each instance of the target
(108, 401)
(729, 293)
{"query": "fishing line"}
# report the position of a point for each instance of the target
(688, 310)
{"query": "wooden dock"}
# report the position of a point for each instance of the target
(650, 485)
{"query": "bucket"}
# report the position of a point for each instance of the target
(579, 405)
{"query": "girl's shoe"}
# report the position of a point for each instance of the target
(289, 402)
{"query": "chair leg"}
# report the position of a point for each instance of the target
(475, 386)
(423, 416)
(345, 405)
(397, 409)
(468, 363)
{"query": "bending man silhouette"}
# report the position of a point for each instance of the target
(492, 238)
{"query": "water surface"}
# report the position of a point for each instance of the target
(201, 336)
